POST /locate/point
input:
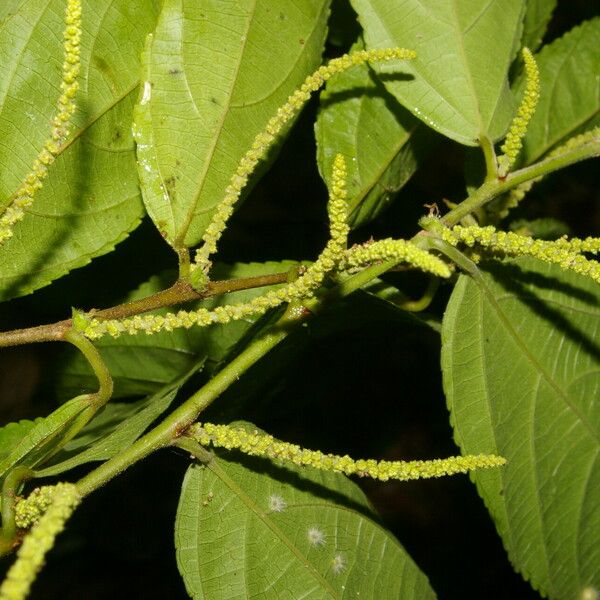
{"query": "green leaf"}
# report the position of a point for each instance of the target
(521, 363)
(90, 200)
(40, 440)
(360, 119)
(458, 83)
(214, 74)
(537, 16)
(12, 434)
(569, 90)
(142, 364)
(250, 529)
(114, 429)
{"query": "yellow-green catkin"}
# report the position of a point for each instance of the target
(517, 194)
(39, 540)
(395, 250)
(24, 195)
(263, 141)
(266, 446)
(518, 128)
(563, 252)
(302, 287)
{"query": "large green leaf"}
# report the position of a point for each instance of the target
(142, 364)
(215, 72)
(537, 16)
(360, 119)
(570, 90)
(114, 429)
(255, 530)
(458, 83)
(90, 200)
(521, 363)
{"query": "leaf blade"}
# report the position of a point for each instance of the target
(186, 164)
(521, 364)
(570, 90)
(83, 210)
(459, 82)
(280, 553)
(381, 141)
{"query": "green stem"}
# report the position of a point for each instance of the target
(95, 361)
(181, 418)
(490, 189)
(10, 490)
(425, 300)
(491, 164)
(170, 430)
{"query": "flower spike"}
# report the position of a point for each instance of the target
(33, 181)
(302, 287)
(264, 140)
(518, 128)
(563, 252)
(58, 503)
(257, 444)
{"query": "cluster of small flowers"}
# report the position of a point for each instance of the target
(302, 287)
(517, 194)
(30, 509)
(263, 141)
(256, 444)
(23, 197)
(40, 539)
(396, 250)
(514, 139)
(563, 252)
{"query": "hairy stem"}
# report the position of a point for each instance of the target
(178, 293)
(180, 419)
(493, 188)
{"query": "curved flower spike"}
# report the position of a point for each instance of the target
(302, 287)
(518, 128)
(58, 504)
(24, 195)
(562, 252)
(266, 446)
(397, 250)
(264, 140)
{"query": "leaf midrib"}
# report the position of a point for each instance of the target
(201, 179)
(219, 472)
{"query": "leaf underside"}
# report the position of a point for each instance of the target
(521, 364)
(212, 81)
(458, 84)
(251, 529)
(90, 200)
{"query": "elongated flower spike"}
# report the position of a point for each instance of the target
(518, 128)
(33, 181)
(517, 194)
(266, 446)
(563, 252)
(58, 505)
(264, 140)
(302, 287)
(397, 250)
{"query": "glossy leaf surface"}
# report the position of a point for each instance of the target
(521, 363)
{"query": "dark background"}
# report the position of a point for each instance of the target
(313, 391)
